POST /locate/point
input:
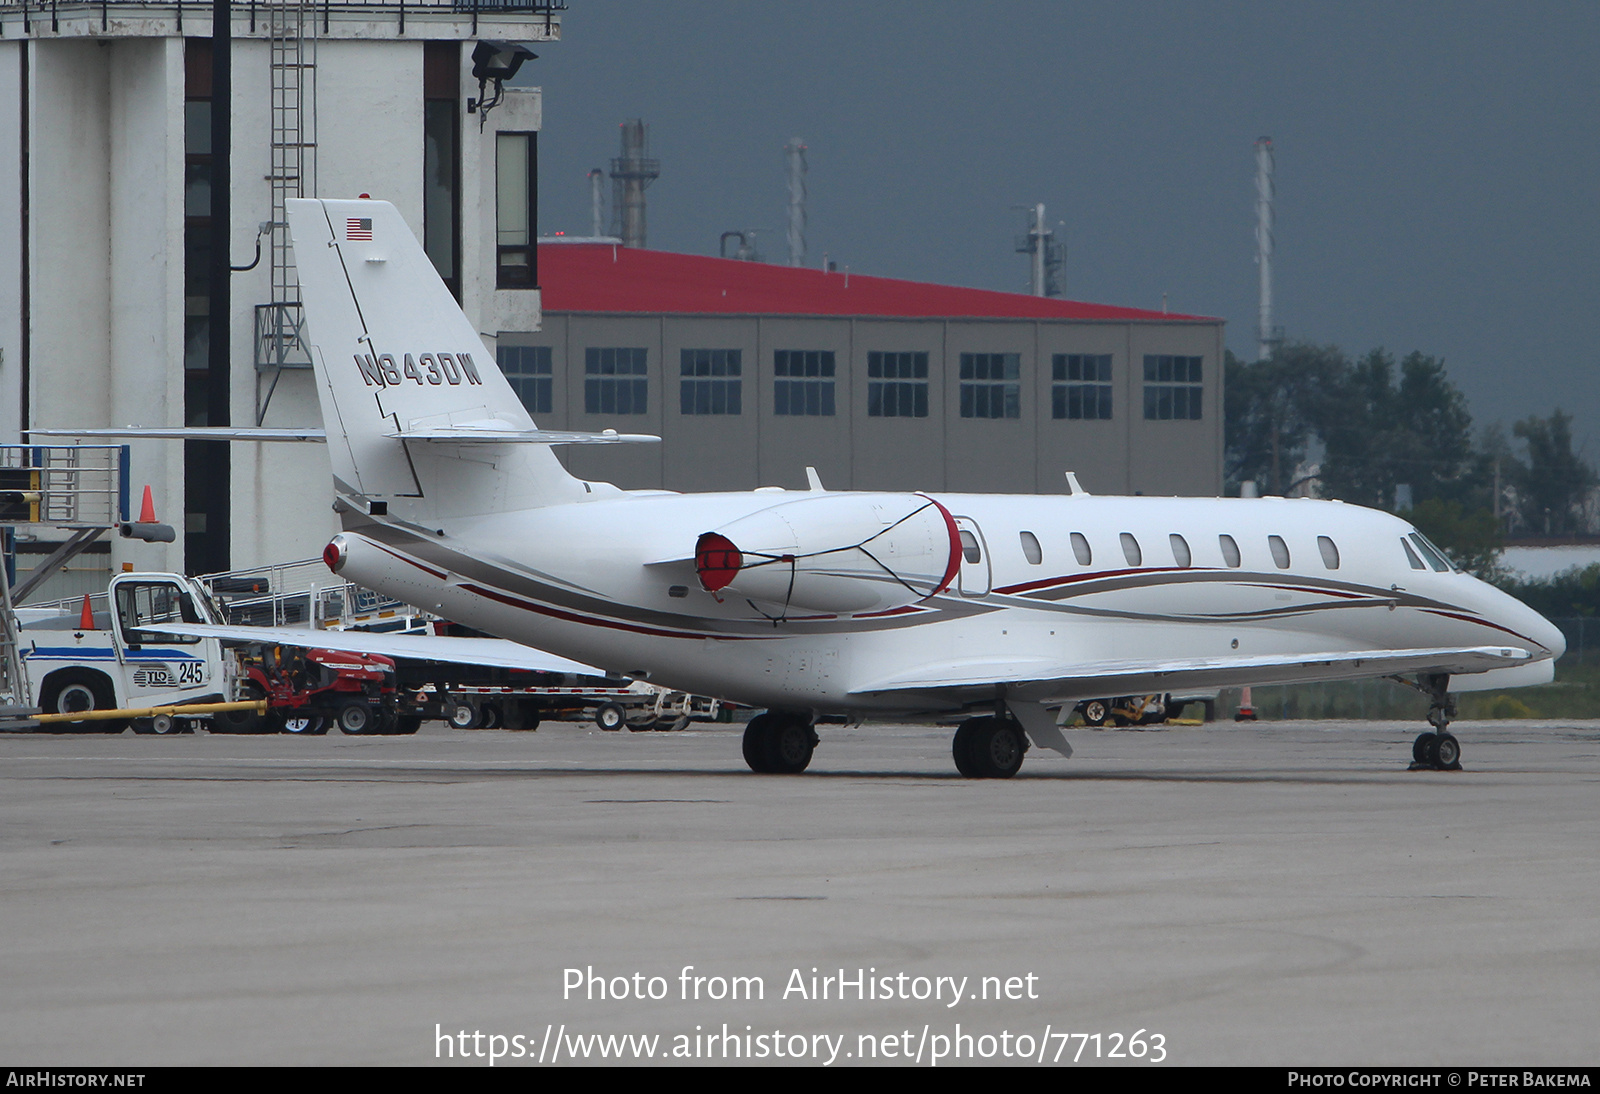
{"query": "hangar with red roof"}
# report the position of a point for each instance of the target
(751, 372)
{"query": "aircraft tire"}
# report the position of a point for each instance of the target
(961, 748)
(1447, 753)
(755, 743)
(996, 749)
(1419, 749)
(790, 744)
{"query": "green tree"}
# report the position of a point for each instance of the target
(1271, 412)
(1378, 433)
(1554, 482)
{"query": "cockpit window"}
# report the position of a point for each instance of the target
(1438, 558)
(1411, 556)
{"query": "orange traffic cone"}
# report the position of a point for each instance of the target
(147, 510)
(86, 617)
(1246, 712)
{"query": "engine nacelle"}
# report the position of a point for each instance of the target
(834, 553)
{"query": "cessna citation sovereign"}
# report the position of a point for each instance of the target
(824, 606)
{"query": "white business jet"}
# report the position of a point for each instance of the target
(824, 606)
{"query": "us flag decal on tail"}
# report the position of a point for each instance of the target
(358, 228)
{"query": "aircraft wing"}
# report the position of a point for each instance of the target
(490, 652)
(1047, 681)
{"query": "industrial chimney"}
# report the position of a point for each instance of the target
(795, 155)
(1267, 335)
(630, 174)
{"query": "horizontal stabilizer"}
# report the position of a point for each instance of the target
(500, 433)
(488, 652)
(1046, 681)
(191, 433)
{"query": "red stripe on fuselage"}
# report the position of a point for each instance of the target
(954, 566)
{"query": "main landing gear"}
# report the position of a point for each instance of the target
(1438, 750)
(779, 742)
(989, 748)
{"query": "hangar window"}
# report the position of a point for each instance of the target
(1081, 387)
(1030, 548)
(1180, 551)
(529, 372)
(1130, 550)
(1230, 550)
(1280, 552)
(614, 381)
(1330, 552)
(1172, 387)
(897, 385)
(990, 386)
(804, 382)
(1411, 557)
(710, 383)
(1080, 549)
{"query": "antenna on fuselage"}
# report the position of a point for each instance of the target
(1074, 487)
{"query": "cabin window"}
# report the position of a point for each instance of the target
(1411, 556)
(1130, 550)
(1434, 556)
(1030, 548)
(969, 547)
(1230, 550)
(1080, 549)
(1330, 552)
(1180, 550)
(1280, 552)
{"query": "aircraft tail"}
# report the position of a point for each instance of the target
(394, 356)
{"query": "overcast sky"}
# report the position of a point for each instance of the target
(1438, 164)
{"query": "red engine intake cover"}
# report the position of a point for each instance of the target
(717, 561)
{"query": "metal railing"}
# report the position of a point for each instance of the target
(78, 486)
(48, 9)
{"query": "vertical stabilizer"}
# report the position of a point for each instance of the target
(392, 351)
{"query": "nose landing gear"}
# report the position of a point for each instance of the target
(1438, 750)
